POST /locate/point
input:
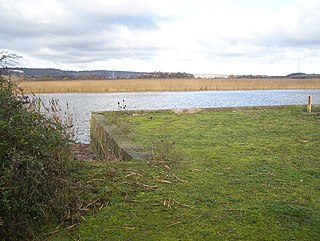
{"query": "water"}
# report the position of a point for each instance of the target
(82, 104)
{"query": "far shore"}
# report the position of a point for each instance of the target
(144, 85)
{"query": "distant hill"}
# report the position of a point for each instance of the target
(303, 75)
(57, 73)
(92, 74)
(297, 75)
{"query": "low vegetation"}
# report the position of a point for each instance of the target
(134, 85)
(35, 158)
(232, 175)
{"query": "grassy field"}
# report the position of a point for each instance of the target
(232, 175)
(134, 85)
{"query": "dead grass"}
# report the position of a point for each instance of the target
(135, 85)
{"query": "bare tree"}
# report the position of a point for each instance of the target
(8, 59)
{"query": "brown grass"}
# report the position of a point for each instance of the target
(135, 85)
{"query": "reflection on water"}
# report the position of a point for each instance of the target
(82, 104)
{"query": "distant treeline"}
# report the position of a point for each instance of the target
(289, 76)
(70, 74)
(57, 74)
(165, 75)
(49, 74)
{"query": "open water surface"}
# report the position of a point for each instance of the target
(82, 104)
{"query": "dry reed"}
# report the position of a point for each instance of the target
(136, 85)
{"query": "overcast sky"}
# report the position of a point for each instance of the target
(195, 36)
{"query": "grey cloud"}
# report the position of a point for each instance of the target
(298, 38)
(84, 32)
(81, 25)
(304, 34)
(83, 48)
(79, 38)
(276, 43)
(74, 20)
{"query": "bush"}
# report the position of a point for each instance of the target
(163, 151)
(35, 151)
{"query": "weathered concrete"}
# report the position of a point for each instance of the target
(226, 109)
(110, 142)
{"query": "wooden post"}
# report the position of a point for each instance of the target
(309, 104)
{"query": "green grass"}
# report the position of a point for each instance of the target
(234, 175)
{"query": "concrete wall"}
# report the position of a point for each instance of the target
(110, 143)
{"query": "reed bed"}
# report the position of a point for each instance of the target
(136, 85)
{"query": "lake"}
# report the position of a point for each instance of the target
(82, 104)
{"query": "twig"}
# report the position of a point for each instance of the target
(184, 205)
(146, 186)
(53, 231)
(72, 226)
(74, 239)
(178, 178)
(128, 170)
(84, 209)
(167, 203)
(173, 224)
(220, 234)
(164, 181)
(133, 174)
(127, 228)
(96, 179)
(92, 202)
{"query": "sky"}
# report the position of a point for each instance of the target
(265, 37)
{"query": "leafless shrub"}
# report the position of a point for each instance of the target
(163, 151)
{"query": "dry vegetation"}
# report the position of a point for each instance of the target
(133, 85)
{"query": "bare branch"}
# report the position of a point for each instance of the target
(8, 59)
